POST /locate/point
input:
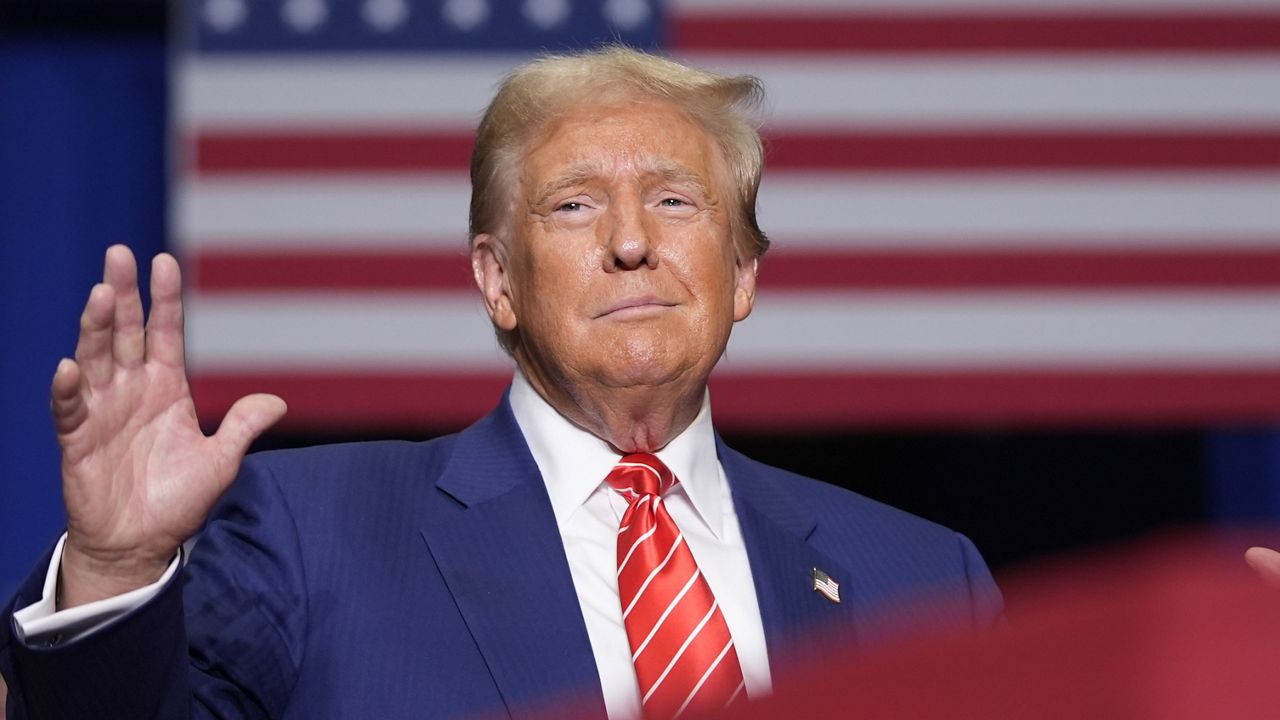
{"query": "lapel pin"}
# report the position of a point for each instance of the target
(824, 584)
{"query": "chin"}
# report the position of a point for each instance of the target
(639, 364)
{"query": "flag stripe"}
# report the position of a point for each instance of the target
(797, 330)
(865, 32)
(840, 209)
(393, 151)
(1144, 93)
(784, 398)
(694, 8)
(365, 267)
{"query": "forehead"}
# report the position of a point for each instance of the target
(651, 137)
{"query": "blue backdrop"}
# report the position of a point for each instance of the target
(81, 167)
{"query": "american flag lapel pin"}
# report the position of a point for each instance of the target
(824, 584)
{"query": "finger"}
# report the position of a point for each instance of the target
(93, 349)
(66, 402)
(121, 273)
(164, 327)
(248, 418)
(1266, 562)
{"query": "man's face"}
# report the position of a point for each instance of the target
(620, 269)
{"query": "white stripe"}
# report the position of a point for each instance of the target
(663, 618)
(702, 681)
(734, 696)
(309, 92)
(697, 7)
(1164, 90)
(803, 209)
(423, 210)
(1004, 329)
(645, 586)
(387, 332)
(1025, 90)
(450, 332)
(622, 565)
(687, 641)
(943, 209)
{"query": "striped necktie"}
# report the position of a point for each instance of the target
(684, 656)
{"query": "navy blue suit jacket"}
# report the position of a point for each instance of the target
(396, 579)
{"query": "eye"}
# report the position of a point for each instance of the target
(672, 202)
(569, 206)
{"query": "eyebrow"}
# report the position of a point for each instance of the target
(669, 171)
(574, 176)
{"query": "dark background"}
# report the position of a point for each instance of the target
(83, 107)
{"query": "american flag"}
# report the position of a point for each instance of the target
(823, 583)
(983, 211)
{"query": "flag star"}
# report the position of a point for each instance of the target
(546, 14)
(627, 14)
(385, 15)
(225, 15)
(304, 16)
(465, 14)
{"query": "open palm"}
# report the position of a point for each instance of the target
(138, 475)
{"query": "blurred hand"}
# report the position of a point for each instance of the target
(138, 475)
(1266, 562)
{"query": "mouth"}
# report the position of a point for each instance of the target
(638, 306)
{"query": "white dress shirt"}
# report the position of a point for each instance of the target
(574, 464)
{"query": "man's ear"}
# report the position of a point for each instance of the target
(489, 265)
(744, 293)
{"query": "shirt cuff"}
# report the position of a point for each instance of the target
(43, 623)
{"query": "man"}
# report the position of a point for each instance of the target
(591, 540)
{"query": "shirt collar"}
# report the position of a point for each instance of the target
(573, 462)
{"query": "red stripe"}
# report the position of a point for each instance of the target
(945, 269)
(216, 271)
(975, 32)
(409, 271)
(1020, 148)
(792, 401)
(267, 151)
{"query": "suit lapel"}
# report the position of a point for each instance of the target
(799, 623)
(499, 550)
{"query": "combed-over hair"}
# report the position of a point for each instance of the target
(537, 94)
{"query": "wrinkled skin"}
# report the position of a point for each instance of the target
(138, 475)
(620, 273)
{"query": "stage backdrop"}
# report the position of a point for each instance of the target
(983, 211)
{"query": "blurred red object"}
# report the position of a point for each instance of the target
(1169, 629)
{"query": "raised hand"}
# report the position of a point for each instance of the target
(138, 475)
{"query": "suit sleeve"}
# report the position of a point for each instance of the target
(985, 601)
(222, 639)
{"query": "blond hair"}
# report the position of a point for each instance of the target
(536, 94)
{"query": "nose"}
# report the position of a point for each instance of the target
(630, 243)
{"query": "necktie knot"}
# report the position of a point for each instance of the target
(640, 474)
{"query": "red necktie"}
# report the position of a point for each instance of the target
(684, 656)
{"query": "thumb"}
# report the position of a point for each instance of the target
(1266, 563)
(248, 418)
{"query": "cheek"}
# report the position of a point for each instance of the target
(558, 273)
(706, 266)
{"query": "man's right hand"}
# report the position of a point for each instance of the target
(138, 475)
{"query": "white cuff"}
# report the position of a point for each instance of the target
(42, 622)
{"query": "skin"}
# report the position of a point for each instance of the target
(1265, 562)
(620, 273)
(138, 475)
